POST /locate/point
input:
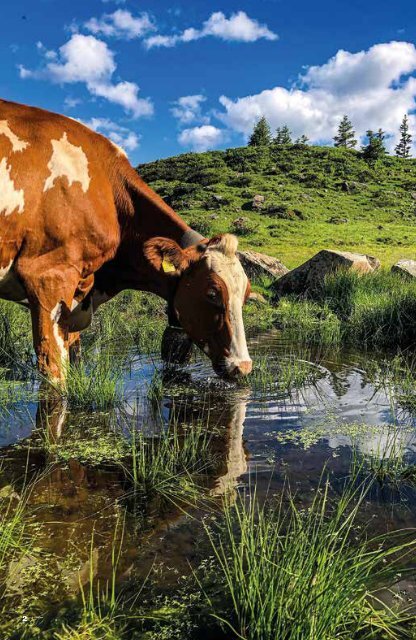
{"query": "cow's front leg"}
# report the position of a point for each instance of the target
(50, 293)
(50, 339)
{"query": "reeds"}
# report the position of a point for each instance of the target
(289, 573)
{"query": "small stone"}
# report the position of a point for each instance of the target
(406, 268)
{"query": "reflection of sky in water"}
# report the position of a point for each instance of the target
(342, 395)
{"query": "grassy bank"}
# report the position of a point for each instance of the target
(314, 198)
(374, 310)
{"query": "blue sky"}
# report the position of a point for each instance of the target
(162, 77)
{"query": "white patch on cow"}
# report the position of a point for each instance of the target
(227, 266)
(10, 198)
(55, 317)
(17, 143)
(67, 161)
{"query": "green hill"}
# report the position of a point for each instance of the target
(314, 198)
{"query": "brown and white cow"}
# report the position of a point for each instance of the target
(78, 225)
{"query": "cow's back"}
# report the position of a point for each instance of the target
(56, 182)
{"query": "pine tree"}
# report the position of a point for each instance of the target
(405, 143)
(261, 136)
(374, 149)
(283, 135)
(302, 140)
(345, 136)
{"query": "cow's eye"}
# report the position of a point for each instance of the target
(212, 294)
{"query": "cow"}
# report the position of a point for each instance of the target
(78, 225)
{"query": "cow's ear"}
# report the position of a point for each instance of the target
(166, 255)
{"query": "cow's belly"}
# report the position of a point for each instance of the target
(11, 287)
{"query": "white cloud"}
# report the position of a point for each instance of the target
(71, 103)
(122, 136)
(202, 138)
(121, 24)
(373, 87)
(88, 60)
(238, 28)
(187, 109)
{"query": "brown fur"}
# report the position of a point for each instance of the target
(68, 243)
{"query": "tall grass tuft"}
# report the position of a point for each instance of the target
(95, 384)
(309, 322)
(378, 309)
(291, 574)
(168, 465)
(286, 373)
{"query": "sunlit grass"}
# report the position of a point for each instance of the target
(284, 374)
(286, 573)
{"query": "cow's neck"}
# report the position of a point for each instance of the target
(152, 217)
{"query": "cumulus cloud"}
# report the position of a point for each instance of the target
(187, 109)
(88, 60)
(122, 136)
(238, 28)
(121, 24)
(373, 87)
(202, 138)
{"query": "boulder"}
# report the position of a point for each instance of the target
(256, 264)
(406, 268)
(310, 276)
(258, 202)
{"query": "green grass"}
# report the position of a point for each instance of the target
(374, 310)
(288, 573)
(96, 385)
(286, 373)
(304, 188)
(308, 322)
(168, 465)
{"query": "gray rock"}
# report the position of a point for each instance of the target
(406, 268)
(258, 202)
(309, 277)
(256, 264)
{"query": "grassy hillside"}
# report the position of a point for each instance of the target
(314, 197)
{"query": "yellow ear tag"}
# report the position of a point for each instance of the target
(167, 266)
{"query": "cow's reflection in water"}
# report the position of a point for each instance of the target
(75, 503)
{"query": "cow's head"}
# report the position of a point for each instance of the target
(211, 290)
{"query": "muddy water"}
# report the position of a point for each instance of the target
(265, 437)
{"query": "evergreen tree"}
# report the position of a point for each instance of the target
(374, 149)
(345, 136)
(283, 135)
(302, 140)
(261, 136)
(405, 143)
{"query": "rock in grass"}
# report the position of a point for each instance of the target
(310, 276)
(257, 264)
(257, 202)
(406, 268)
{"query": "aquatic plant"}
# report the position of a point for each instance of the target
(286, 373)
(167, 465)
(12, 525)
(290, 574)
(94, 383)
